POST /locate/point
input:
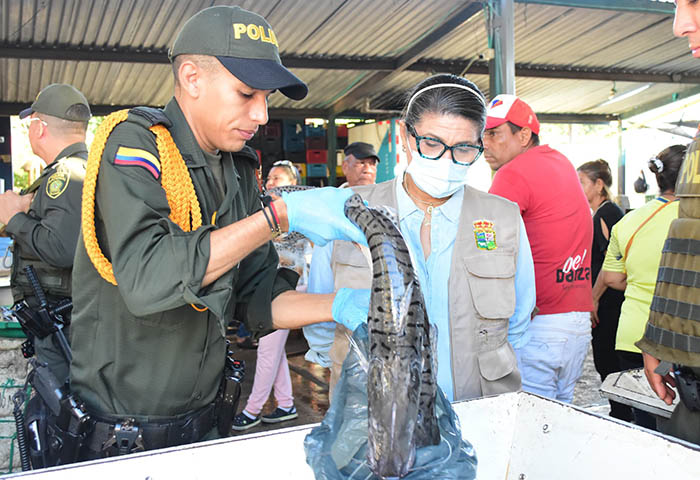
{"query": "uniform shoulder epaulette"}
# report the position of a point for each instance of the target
(148, 116)
(72, 161)
(247, 153)
(73, 166)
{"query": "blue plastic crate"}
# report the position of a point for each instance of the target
(293, 135)
(312, 131)
(316, 170)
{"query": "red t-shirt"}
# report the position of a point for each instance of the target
(557, 218)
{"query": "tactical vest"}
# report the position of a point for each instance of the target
(55, 281)
(673, 331)
(481, 291)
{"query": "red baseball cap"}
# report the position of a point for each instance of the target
(509, 108)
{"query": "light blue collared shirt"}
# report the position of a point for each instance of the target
(320, 335)
(433, 275)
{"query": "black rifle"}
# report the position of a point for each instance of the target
(44, 321)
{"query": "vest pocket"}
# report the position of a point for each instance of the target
(53, 281)
(350, 267)
(492, 284)
(497, 363)
(498, 368)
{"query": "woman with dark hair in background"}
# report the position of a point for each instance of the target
(632, 262)
(469, 248)
(596, 180)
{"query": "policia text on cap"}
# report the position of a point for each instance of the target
(174, 243)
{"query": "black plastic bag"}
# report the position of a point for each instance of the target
(337, 449)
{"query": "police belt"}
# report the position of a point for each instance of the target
(181, 430)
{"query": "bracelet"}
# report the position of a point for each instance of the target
(274, 213)
(274, 228)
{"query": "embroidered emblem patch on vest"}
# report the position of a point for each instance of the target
(57, 182)
(485, 235)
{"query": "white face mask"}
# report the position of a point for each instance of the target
(438, 178)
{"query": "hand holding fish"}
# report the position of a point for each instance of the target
(351, 307)
(319, 215)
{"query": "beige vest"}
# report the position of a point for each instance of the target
(481, 290)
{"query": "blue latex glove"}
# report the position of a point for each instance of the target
(351, 307)
(319, 215)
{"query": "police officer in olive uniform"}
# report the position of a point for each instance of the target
(44, 221)
(153, 292)
(671, 340)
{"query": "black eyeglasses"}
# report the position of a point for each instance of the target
(432, 149)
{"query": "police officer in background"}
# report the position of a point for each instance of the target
(175, 240)
(44, 221)
(671, 341)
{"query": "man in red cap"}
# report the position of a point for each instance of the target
(557, 218)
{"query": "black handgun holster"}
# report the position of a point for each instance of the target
(36, 422)
(56, 423)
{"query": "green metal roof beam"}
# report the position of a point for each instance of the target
(665, 100)
(460, 15)
(575, 118)
(637, 6)
(13, 108)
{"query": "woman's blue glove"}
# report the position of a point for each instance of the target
(319, 215)
(351, 307)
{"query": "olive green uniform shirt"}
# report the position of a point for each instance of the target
(140, 348)
(45, 237)
(47, 234)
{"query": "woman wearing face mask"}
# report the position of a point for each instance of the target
(469, 248)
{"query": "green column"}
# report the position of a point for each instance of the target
(502, 40)
(332, 137)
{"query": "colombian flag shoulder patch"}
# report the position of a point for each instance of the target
(137, 157)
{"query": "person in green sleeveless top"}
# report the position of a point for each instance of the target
(44, 221)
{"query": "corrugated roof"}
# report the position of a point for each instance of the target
(546, 37)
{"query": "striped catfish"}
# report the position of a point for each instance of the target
(401, 385)
(278, 191)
